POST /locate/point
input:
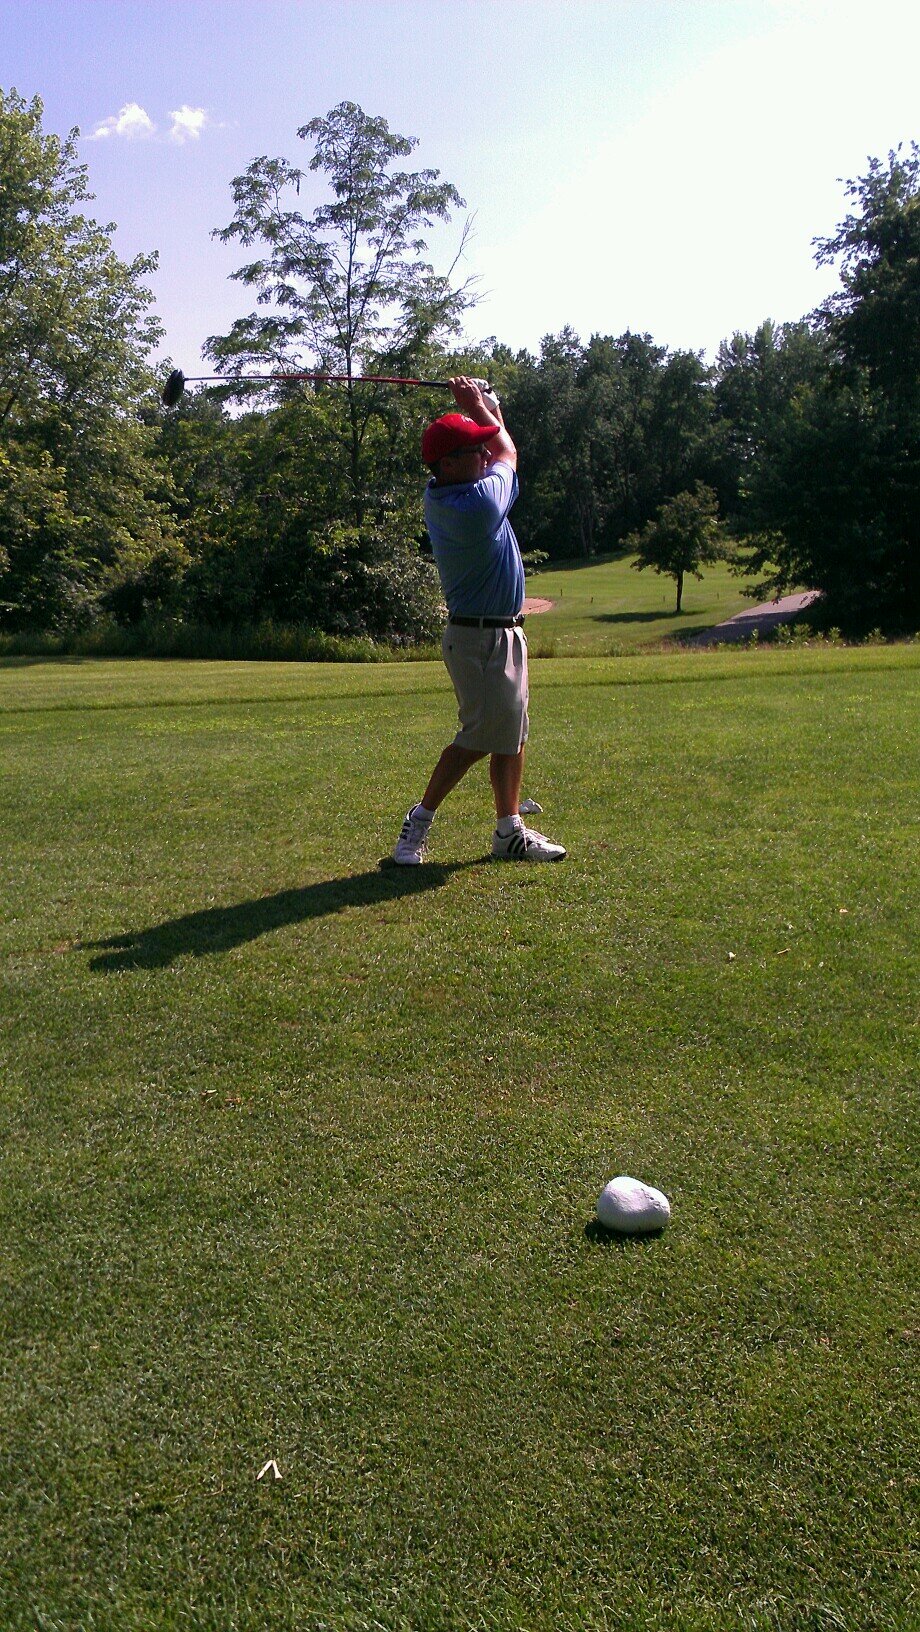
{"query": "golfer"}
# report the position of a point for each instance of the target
(473, 464)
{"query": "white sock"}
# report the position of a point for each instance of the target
(507, 825)
(422, 815)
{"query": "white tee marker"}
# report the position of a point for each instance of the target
(631, 1207)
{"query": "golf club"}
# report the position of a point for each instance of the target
(175, 385)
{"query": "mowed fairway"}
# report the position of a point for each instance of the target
(605, 607)
(301, 1153)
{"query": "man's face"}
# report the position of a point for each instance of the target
(465, 465)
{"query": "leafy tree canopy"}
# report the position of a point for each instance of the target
(874, 318)
(347, 288)
(606, 432)
(832, 499)
(81, 506)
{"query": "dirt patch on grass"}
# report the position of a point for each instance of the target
(533, 603)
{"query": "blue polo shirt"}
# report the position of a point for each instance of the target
(474, 547)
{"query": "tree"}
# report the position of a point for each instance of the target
(685, 535)
(756, 378)
(260, 503)
(346, 289)
(873, 320)
(634, 364)
(873, 326)
(83, 507)
(762, 383)
(682, 438)
(606, 433)
(832, 499)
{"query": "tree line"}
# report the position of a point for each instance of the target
(796, 452)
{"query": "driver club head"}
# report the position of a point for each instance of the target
(174, 388)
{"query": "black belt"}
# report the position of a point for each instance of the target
(489, 623)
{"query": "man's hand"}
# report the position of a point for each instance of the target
(489, 397)
(469, 398)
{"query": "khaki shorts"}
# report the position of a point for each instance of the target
(489, 670)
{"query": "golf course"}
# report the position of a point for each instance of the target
(302, 1150)
(606, 609)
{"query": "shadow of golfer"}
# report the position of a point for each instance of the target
(217, 929)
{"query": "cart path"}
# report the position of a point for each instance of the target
(756, 619)
(760, 618)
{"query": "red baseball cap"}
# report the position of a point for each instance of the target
(452, 432)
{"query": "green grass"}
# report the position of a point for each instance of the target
(607, 608)
(301, 1153)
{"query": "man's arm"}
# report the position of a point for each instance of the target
(469, 398)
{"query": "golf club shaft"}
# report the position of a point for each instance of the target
(356, 379)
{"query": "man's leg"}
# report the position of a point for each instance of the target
(452, 766)
(450, 769)
(506, 772)
(512, 840)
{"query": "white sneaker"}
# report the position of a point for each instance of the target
(412, 844)
(529, 807)
(523, 844)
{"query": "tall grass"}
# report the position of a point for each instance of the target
(266, 641)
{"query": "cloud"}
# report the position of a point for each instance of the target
(131, 122)
(187, 123)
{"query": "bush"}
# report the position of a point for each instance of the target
(265, 641)
(533, 561)
(367, 583)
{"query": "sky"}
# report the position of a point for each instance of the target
(655, 165)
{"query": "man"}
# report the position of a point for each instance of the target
(473, 464)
